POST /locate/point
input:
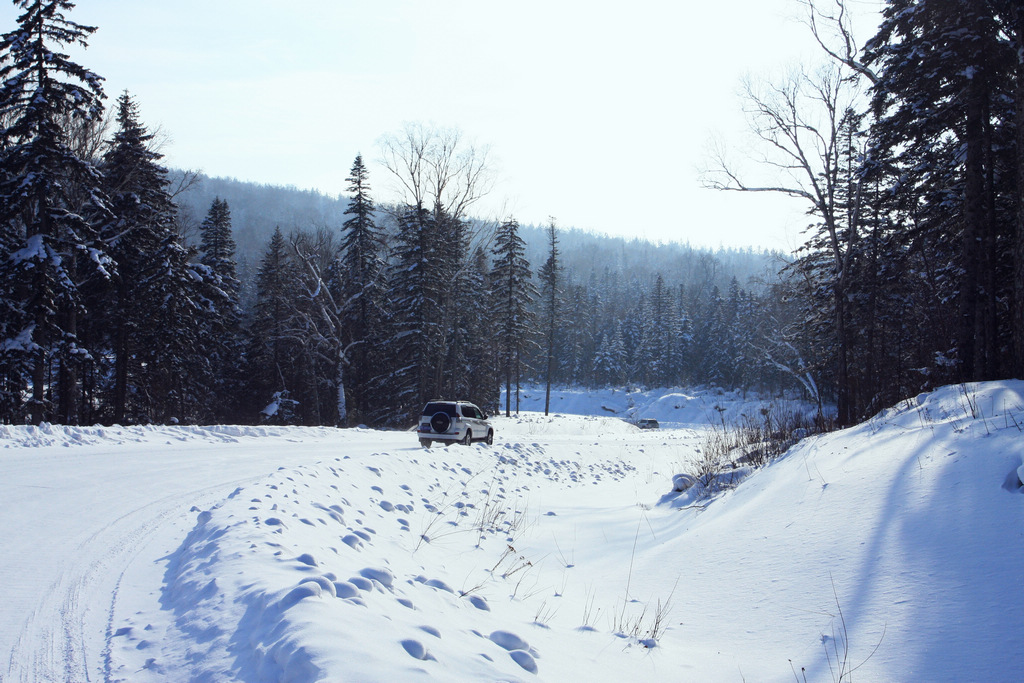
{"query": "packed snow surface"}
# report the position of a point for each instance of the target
(891, 551)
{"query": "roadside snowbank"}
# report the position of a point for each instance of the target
(44, 435)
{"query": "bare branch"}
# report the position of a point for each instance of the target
(436, 169)
(798, 119)
(189, 179)
(836, 22)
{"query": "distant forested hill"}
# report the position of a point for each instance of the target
(257, 209)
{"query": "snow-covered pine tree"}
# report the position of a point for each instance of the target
(272, 336)
(360, 279)
(638, 338)
(550, 275)
(578, 341)
(482, 375)
(662, 329)
(609, 359)
(173, 365)
(731, 341)
(140, 230)
(945, 124)
(217, 244)
(709, 334)
(452, 376)
(682, 338)
(222, 332)
(416, 296)
(604, 363)
(47, 193)
(513, 292)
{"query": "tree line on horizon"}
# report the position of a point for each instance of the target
(910, 278)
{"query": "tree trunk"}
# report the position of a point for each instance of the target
(551, 354)
(547, 389)
(67, 410)
(989, 261)
(974, 212)
(844, 412)
(508, 390)
(120, 374)
(37, 412)
(342, 408)
(519, 368)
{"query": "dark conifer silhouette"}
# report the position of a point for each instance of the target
(48, 245)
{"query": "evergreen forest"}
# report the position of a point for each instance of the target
(131, 293)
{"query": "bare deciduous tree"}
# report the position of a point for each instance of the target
(803, 124)
(320, 312)
(437, 169)
(831, 25)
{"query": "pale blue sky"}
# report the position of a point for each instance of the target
(597, 113)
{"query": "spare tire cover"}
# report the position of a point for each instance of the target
(440, 422)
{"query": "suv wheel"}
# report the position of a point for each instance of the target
(490, 437)
(440, 422)
(426, 443)
(468, 439)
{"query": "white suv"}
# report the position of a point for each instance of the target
(454, 421)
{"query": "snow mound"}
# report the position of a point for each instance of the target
(672, 408)
(990, 405)
(899, 523)
(269, 586)
(528, 425)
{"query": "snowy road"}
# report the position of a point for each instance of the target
(90, 518)
(107, 511)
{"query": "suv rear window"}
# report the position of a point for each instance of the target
(433, 408)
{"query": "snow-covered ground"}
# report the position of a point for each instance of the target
(559, 553)
(672, 408)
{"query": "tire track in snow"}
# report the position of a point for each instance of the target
(66, 638)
